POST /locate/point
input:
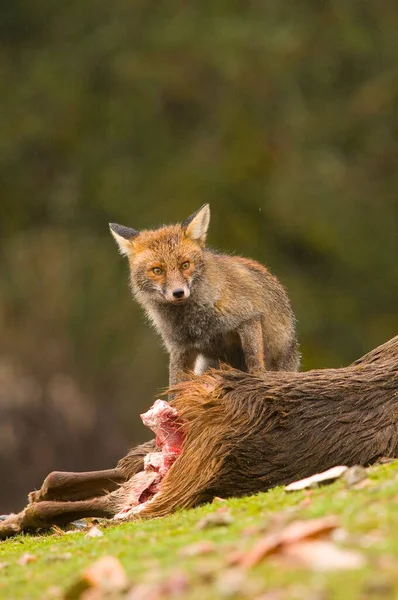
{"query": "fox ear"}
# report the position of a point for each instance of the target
(123, 236)
(196, 225)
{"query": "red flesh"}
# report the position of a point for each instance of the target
(163, 420)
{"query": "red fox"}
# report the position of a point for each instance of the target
(209, 308)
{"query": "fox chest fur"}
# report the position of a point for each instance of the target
(202, 326)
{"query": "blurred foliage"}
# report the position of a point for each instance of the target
(282, 115)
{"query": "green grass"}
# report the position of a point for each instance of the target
(149, 550)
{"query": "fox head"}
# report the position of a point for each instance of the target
(165, 262)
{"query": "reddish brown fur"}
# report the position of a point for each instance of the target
(245, 434)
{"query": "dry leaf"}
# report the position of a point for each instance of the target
(144, 591)
(272, 595)
(219, 518)
(299, 530)
(234, 583)
(321, 555)
(54, 592)
(363, 484)
(26, 558)
(198, 549)
(94, 594)
(234, 557)
(106, 574)
(355, 475)
(59, 557)
(382, 587)
(383, 460)
(292, 533)
(252, 530)
(267, 545)
(94, 532)
(324, 477)
(231, 583)
(306, 502)
(80, 524)
(174, 586)
(387, 563)
(374, 536)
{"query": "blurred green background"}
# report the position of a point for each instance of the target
(282, 115)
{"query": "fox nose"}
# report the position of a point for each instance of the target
(178, 294)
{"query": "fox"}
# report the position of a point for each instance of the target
(210, 309)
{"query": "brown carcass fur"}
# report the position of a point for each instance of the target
(244, 434)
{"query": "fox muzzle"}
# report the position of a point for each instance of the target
(178, 294)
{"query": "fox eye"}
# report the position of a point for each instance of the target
(157, 270)
(185, 265)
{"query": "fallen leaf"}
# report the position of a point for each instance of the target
(176, 585)
(234, 558)
(267, 545)
(299, 530)
(4, 565)
(94, 532)
(106, 574)
(144, 591)
(53, 592)
(292, 533)
(321, 555)
(382, 587)
(218, 499)
(230, 583)
(324, 477)
(384, 460)
(272, 595)
(26, 558)
(306, 502)
(198, 549)
(216, 519)
(59, 557)
(387, 563)
(354, 475)
(80, 524)
(204, 570)
(372, 537)
(252, 530)
(362, 484)
(340, 535)
(233, 583)
(94, 594)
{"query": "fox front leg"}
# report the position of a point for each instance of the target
(180, 364)
(251, 337)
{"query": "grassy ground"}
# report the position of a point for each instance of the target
(151, 550)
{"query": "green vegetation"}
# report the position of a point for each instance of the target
(151, 550)
(282, 115)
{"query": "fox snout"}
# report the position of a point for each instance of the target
(177, 294)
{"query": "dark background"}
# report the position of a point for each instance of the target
(282, 115)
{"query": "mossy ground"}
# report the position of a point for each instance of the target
(151, 550)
